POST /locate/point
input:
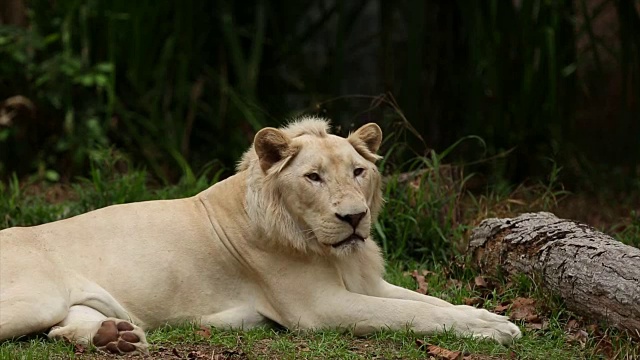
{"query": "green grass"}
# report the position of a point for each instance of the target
(426, 222)
(550, 343)
(35, 202)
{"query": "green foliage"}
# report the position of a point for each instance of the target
(523, 78)
(172, 84)
(110, 182)
(421, 217)
(175, 85)
(630, 233)
(18, 209)
(47, 69)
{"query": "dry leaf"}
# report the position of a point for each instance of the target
(502, 308)
(579, 337)
(524, 309)
(204, 331)
(480, 282)
(604, 347)
(438, 352)
(303, 347)
(572, 324)
(422, 285)
(537, 326)
(427, 273)
(176, 353)
(79, 349)
(442, 353)
(474, 301)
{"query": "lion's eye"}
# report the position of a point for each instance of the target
(358, 171)
(313, 177)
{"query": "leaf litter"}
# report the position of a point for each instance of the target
(419, 277)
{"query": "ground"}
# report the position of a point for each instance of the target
(550, 332)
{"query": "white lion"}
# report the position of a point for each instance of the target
(285, 240)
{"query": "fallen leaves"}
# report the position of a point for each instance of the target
(502, 308)
(419, 277)
(532, 314)
(303, 347)
(204, 331)
(480, 282)
(438, 352)
(578, 336)
(79, 349)
(524, 309)
(474, 301)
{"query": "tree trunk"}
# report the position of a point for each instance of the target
(596, 275)
(13, 12)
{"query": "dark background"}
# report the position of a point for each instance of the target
(181, 87)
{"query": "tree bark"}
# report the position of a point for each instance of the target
(597, 276)
(13, 12)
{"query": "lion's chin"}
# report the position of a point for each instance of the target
(353, 239)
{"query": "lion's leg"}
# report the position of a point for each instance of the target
(384, 289)
(32, 299)
(27, 313)
(241, 317)
(364, 314)
(86, 325)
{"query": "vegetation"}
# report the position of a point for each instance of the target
(196, 343)
(179, 86)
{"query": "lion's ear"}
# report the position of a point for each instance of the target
(271, 146)
(369, 135)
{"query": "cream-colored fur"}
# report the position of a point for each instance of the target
(262, 246)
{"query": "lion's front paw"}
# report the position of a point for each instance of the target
(485, 324)
(120, 337)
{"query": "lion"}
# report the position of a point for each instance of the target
(286, 240)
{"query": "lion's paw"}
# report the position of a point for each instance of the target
(485, 324)
(120, 337)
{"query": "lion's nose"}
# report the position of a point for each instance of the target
(353, 219)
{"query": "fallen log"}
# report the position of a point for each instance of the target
(597, 276)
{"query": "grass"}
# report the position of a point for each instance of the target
(426, 217)
(550, 343)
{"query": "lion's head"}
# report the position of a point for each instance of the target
(312, 190)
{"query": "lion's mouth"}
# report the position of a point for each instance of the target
(350, 240)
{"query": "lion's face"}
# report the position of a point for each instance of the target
(328, 187)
